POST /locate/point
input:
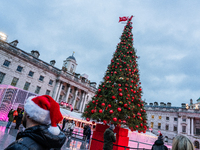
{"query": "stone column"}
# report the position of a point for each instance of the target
(82, 100)
(83, 106)
(75, 98)
(58, 95)
(179, 124)
(55, 91)
(67, 95)
(192, 127)
(188, 126)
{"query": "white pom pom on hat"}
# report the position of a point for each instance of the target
(45, 110)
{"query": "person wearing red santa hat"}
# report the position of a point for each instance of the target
(41, 116)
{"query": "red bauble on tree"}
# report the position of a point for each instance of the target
(109, 106)
(119, 109)
(115, 119)
(103, 104)
(100, 110)
(88, 119)
(111, 111)
(120, 94)
(113, 97)
(120, 89)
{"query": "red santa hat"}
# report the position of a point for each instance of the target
(45, 110)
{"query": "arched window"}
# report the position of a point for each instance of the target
(196, 144)
(72, 68)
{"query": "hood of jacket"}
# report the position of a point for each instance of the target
(42, 136)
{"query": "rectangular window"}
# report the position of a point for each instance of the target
(159, 117)
(184, 129)
(197, 131)
(14, 81)
(31, 73)
(26, 85)
(41, 78)
(70, 90)
(175, 119)
(63, 87)
(19, 68)
(2, 75)
(152, 116)
(48, 92)
(50, 82)
(6, 63)
(184, 119)
(167, 118)
(159, 125)
(175, 128)
(151, 124)
(37, 90)
(167, 127)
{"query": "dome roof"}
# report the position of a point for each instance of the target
(71, 57)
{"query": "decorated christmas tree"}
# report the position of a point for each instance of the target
(118, 98)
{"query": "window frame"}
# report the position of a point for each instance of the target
(41, 78)
(37, 90)
(174, 128)
(14, 81)
(50, 82)
(19, 68)
(47, 92)
(26, 87)
(2, 76)
(159, 125)
(5, 63)
(166, 127)
(29, 74)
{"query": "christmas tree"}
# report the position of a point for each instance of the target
(118, 98)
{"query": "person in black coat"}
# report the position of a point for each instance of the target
(84, 131)
(64, 122)
(42, 132)
(19, 120)
(88, 133)
(159, 144)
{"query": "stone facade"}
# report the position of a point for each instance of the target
(26, 71)
(172, 121)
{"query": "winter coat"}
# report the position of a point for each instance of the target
(109, 138)
(71, 126)
(85, 129)
(159, 145)
(88, 132)
(37, 138)
(66, 126)
(10, 115)
(19, 119)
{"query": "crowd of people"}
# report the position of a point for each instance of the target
(41, 116)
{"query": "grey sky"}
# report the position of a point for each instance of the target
(166, 36)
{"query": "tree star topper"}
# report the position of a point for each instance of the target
(125, 18)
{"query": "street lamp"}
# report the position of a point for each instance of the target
(3, 36)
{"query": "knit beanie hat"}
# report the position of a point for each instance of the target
(45, 110)
(160, 137)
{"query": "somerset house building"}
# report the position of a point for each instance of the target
(26, 71)
(172, 121)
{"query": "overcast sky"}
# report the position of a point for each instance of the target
(166, 36)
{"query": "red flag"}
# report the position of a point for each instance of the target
(123, 19)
